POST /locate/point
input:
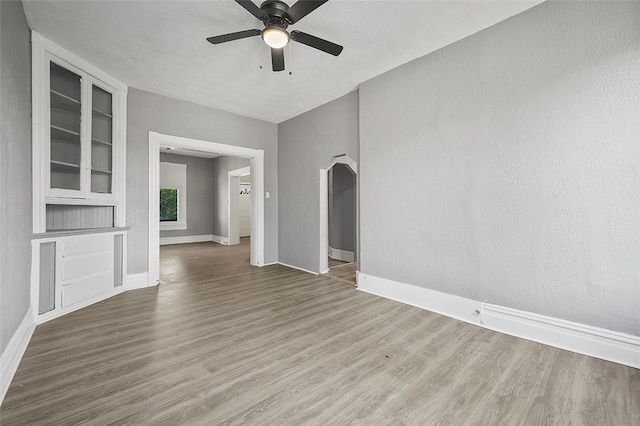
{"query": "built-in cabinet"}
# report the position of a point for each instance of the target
(80, 134)
(79, 130)
(72, 269)
(79, 118)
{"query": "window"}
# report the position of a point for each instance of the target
(168, 205)
(173, 196)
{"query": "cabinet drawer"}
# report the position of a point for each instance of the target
(87, 288)
(87, 244)
(78, 266)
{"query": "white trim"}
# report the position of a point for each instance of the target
(154, 203)
(323, 263)
(256, 158)
(220, 240)
(136, 281)
(186, 239)
(39, 111)
(272, 263)
(580, 338)
(584, 339)
(446, 304)
(233, 187)
(13, 353)
(171, 226)
(233, 222)
(344, 255)
(295, 267)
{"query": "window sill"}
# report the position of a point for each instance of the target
(164, 226)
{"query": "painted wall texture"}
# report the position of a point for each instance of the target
(220, 184)
(306, 144)
(511, 166)
(342, 208)
(15, 169)
(151, 112)
(199, 195)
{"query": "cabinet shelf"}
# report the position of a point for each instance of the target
(76, 142)
(100, 142)
(101, 172)
(62, 167)
(60, 133)
(63, 102)
(100, 114)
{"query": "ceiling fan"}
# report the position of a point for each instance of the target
(277, 16)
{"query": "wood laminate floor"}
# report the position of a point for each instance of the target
(344, 270)
(219, 342)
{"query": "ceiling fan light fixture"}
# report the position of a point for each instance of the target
(275, 37)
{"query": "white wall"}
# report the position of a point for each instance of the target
(15, 170)
(506, 167)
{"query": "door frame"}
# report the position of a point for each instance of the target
(324, 210)
(233, 224)
(256, 159)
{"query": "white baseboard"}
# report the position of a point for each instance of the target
(186, 239)
(584, 339)
(592, 341)
(220, 240)
(12, 355)
(299, 269)
(140, 280)
(344, 255)
(442, 303)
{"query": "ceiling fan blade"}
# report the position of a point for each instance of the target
(253, 9)
(277, 59)
(301, 9)
(233, 36)
(316, 43)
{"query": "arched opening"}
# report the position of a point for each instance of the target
(347, 165)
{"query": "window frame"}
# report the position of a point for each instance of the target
(174, 176)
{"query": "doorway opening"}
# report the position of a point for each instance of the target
(256, 167)
(339, 238)
(239, 205)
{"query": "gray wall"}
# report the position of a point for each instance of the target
(221, 167)
(305, 145)
(511, 166)
(15, 168)
(152, 112)
(199, 195)
(342, 208)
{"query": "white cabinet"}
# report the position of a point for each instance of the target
(79, 119)
(73, 269)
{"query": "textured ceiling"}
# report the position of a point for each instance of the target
(160, 46)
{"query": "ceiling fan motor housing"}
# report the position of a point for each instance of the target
(275, 11)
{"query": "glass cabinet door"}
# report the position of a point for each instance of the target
(66, 150)
(101, 140)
